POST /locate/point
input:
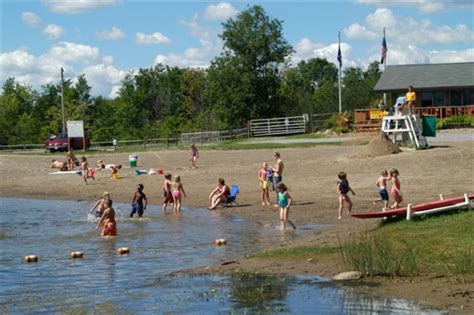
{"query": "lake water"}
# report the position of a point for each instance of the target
(145, 281)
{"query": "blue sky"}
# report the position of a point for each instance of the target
(105, 39)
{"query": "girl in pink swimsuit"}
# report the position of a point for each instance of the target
(395, 189)
(178, 192)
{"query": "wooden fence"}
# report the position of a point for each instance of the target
(278, 126)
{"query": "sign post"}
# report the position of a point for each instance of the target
(75, 129)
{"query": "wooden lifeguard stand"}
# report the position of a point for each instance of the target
(403, 125)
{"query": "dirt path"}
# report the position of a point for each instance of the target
(310, 174)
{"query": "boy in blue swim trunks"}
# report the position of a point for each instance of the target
(382, 186)
(137, 204)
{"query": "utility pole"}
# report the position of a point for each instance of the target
(62, 99)
(340, 72)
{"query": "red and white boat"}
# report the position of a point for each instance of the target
(419, 209)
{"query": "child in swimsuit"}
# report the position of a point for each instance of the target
(264, 184)
(178, 193)
(109, 225)
(86, 172)
(194, 155)
(343, 189)
(395, 188)
(167, 195)
(382, 186)
(100, 205)
(137, 203)
(284, 201)
(114, 171)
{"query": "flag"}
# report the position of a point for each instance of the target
(384, 51)
(339, 55)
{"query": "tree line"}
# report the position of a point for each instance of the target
(252, 78)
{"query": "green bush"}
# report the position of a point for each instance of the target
(455, 121)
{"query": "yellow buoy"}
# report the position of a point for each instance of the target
(75, 255)
(221, 241)
(123, 251)
(31, 258)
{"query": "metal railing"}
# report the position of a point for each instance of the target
(278, 126)
(204, 137)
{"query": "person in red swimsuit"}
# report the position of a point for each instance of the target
(109, 225)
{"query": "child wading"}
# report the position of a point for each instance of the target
(343, 189)
(100, 205)
(284, 201)
(264, 184)
(137, 203)
(167, 195)
(178, 193)
(109, 225)
(381, 183)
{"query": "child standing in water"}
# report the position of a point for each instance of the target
(100, 205)
(382, 186)
(343, 189)
(194, 155)
(264, 183)
(167, 195)
(178, 193)
(137, 202)
(395, 188)
(85, 170)
(284, 201)
(109, 226)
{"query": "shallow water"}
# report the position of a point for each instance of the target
(142, 282)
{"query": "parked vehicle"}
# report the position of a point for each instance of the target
(60, 142)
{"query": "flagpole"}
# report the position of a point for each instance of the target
(384, 68)
(340, 92)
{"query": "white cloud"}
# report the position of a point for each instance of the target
(447, 56)
(425, 6)
(358, 31)
(304, 49)
(76, 59)
(330, 54)
(221, 11)
(155, 38)
(76, 6)
(53, 31)
(31, 19)
(113, 34)
(210, 46)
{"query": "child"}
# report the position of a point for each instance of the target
(100, 205)
(137, 202)
(86, 170)
(395, 189)
(263, 179)
(178, 190)
(382, 185)
(194, 155)
(114, 171)
(71, 160)
(342, 189)
(284, 200)
(167, 195)
(109, 227)
(62, 166)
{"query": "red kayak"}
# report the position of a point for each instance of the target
(414, 208)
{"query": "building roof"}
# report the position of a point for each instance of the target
(426, 76)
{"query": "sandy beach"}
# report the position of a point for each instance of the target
(310, 174)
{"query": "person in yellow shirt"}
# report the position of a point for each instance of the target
(410, 99)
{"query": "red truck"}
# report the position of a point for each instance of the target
(59, 142)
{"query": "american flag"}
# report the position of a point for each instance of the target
(384, 51)
(339, 56)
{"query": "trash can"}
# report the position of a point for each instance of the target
(429, 126)
(132, 160)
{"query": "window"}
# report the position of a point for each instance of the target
(438, 98)
(456, 98)
(426, 99)
(468, 97)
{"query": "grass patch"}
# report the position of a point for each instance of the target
(437, 244)
(300, 251)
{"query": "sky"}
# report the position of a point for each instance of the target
(106, 39)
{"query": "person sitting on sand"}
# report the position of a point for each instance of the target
(219, 194)
(100, 205)
(62, 166)
(107, 221)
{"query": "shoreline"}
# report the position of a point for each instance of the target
(26, 176)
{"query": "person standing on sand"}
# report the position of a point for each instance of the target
(277, 173)
(395, 188)
(343, 189)
(284, 201)
(194, 155)
(264, 184)
(381, 183)
(86, 170)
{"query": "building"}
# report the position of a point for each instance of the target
(443, 90)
